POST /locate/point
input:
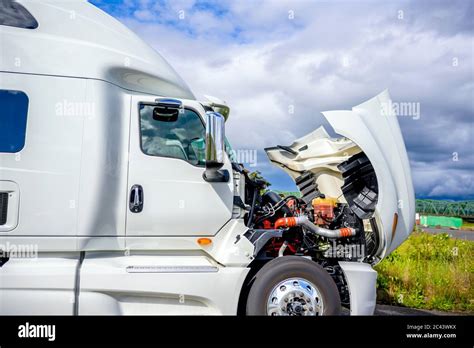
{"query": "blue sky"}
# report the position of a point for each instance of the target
(264, 57)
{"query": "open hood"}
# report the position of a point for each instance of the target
(370, 128)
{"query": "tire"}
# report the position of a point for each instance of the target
(285, 270)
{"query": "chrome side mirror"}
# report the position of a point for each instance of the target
(215, 148)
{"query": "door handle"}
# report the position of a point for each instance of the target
(135, 203)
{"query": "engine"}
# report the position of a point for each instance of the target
(326, 229)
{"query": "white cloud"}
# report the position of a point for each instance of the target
(330, 56)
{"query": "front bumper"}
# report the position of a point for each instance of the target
(361, 279)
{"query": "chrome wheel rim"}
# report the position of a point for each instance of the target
(295, 297)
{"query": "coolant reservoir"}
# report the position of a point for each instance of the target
(324, 209)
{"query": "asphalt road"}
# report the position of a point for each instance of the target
(395, 310)
(459, 234)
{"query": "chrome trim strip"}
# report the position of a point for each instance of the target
(171, 269)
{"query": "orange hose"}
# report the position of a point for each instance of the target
(346, 232)
(304, 221)
(285, 222)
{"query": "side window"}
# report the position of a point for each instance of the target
(180, 135)
(14, 14)
(13, 114)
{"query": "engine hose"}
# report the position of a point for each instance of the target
(282, 248)
(252, 208)
(304, 221)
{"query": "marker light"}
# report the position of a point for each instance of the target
(204, 241)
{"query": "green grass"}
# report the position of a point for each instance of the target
(430, 272)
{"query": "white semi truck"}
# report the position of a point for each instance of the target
(122, 184)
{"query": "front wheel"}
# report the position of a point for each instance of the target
(295, 286)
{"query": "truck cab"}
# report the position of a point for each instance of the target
(119, 194)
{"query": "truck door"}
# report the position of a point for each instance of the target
(167, 195)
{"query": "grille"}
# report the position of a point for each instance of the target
(3, 207)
